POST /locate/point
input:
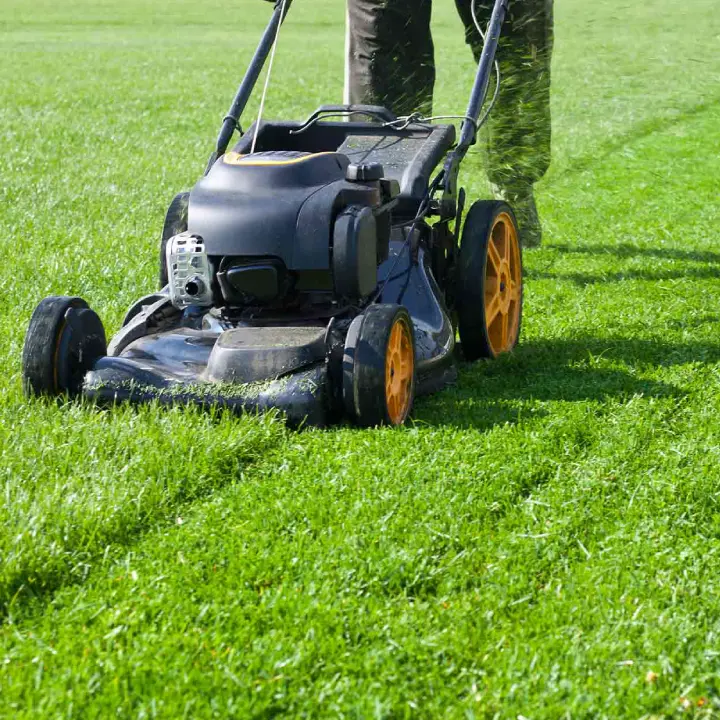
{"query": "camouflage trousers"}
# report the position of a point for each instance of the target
(391, 62)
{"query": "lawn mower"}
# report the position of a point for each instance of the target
(321, 267)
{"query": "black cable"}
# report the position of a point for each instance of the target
(421, 213)
(496, 94)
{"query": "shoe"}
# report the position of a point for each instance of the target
(522, 201)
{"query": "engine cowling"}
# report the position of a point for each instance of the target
(277, 223)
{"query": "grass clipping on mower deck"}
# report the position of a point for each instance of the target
(210, 391)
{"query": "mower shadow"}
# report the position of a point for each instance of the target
(710, 269)
(628, 250)
(493, 393)
(584, 278)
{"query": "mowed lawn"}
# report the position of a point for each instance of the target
(542, 540)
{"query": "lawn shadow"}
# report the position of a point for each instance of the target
(501, 391)
(710, 269)
(628, 250)
(589, 278)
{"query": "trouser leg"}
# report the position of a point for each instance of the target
(390, 55)
(518, 130)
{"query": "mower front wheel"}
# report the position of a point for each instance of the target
(489, 281)
(64, 340)
(379, 366)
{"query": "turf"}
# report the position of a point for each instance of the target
(540, 542)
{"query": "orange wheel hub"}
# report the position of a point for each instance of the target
(399, 372)
(503, 285)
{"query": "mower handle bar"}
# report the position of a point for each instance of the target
(468, 131)
(232, 119)
(482, 76)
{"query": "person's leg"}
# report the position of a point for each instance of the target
(518, 130)
(390, 55)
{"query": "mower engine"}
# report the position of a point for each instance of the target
(282, 230)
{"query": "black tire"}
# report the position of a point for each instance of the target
(176, 222)
(64, 340)
(379, 366)
(489, 289)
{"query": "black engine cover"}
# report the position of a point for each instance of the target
(275, 204)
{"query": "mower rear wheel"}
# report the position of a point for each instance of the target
(64, 340)
(489, 282)
(176, 222)
(379, 366)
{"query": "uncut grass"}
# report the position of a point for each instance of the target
(79, 484)
(433, 574)
(541, 539)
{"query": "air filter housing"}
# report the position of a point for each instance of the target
(189, 271)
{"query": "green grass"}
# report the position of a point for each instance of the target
(541, 541)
